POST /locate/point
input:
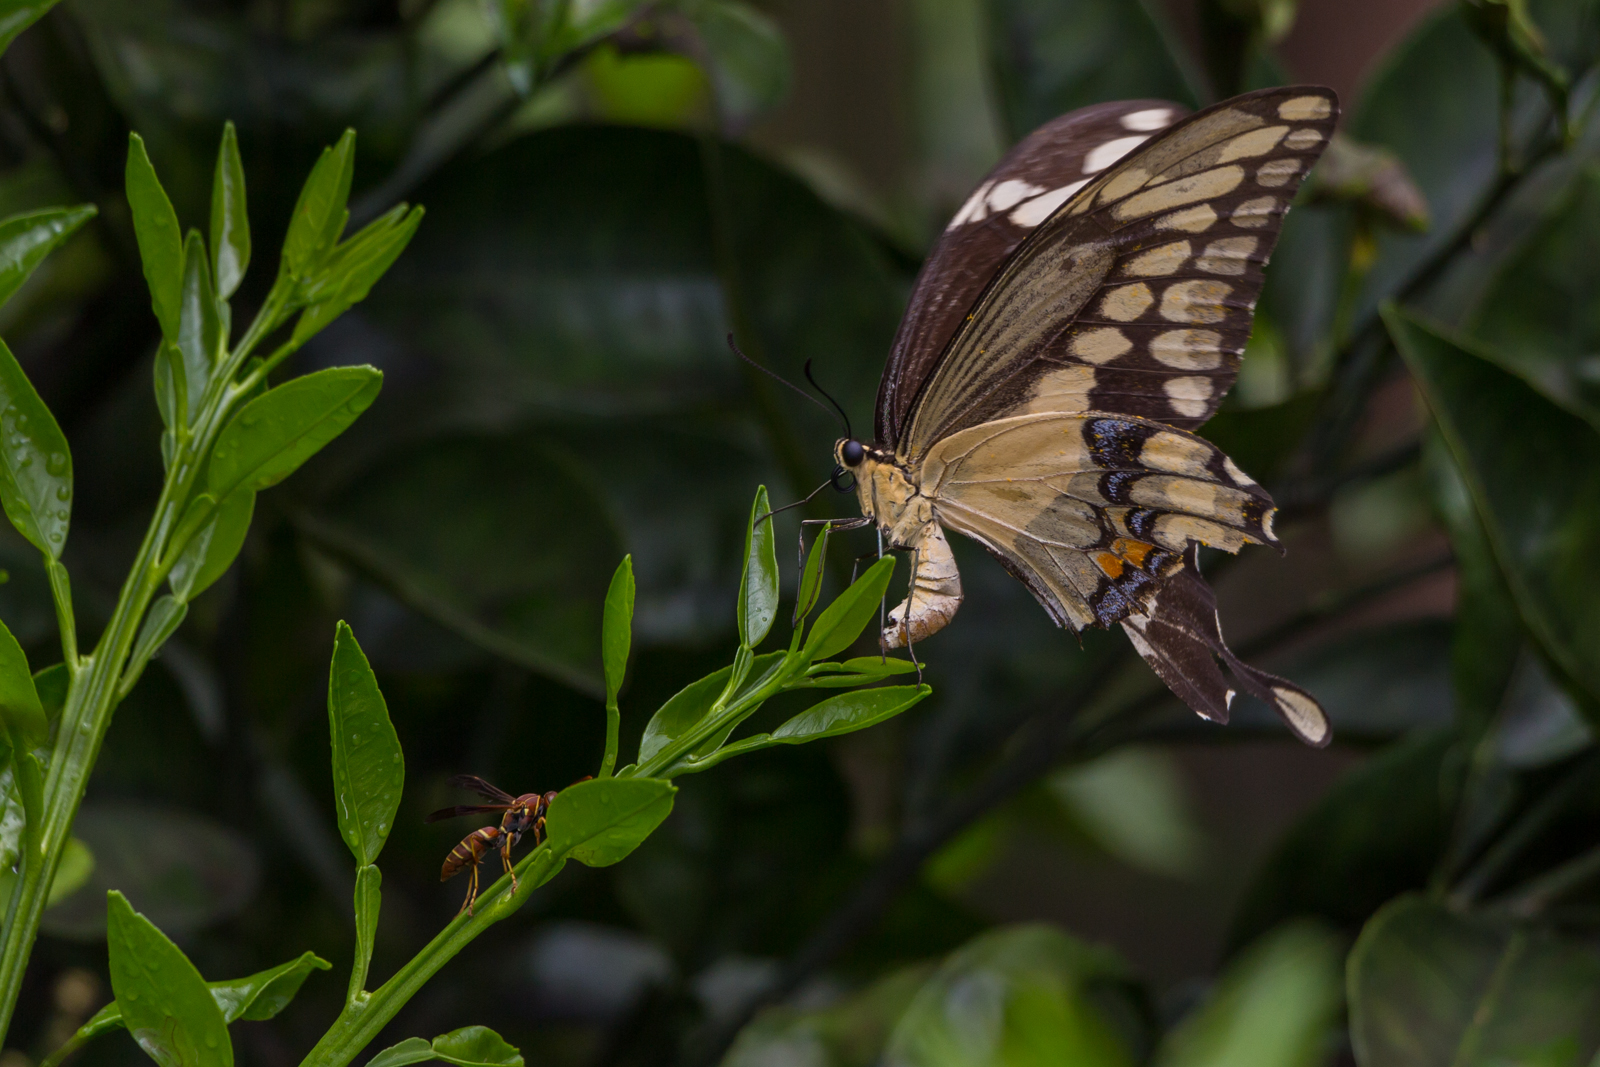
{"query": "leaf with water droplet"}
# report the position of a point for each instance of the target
(367, 773)
(213, 548)
(165, 1003)
(26, 239)
(33, 493)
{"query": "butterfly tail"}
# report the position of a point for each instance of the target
(1180, 636)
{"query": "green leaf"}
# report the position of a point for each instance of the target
(1533, 471)
(199, 329)
(166, 615)
(599, 822)
(1429, 988)
(758, 587)
(27, 238)
(841, 622)
(165, 1003)
(18, 15)
(861, 670)
(19, 700)
(73, 870)
(319, 215)
(35, 463)
(230, 223)
(213, 548)
(276, 432)
(1275, 1006)
(411, 1050)
(1020, 996)
(475, 1046)
(369, 903)
(52, 683)
(155, 225)
(349, 273)
(368, 767)
(849, 712)
(811, 577)
(616, 629)
(690, 704)
(258, 996)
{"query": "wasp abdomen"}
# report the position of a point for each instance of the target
(472, 849)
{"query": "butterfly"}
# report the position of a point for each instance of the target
(1084, 311)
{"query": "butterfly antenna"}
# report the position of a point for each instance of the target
(775, 376)
(842, 416)
(763, 518)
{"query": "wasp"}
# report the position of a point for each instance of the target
(522, 814)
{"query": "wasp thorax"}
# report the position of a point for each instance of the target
(850, 452)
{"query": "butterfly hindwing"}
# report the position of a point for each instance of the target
(1136, 295)
(1022, 191)
(1092, 511)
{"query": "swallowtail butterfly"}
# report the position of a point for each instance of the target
(1082, 314)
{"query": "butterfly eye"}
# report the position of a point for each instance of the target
(852, 452)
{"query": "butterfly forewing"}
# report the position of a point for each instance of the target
(1034, 179)
(1135, 296)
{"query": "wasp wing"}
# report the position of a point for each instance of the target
(464, 809)
(1135, 296)
(1024, 188)
(481, 787)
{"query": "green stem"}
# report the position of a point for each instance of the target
(92, 695)
(613, 734)
(361, 1020)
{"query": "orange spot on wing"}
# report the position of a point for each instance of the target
(1110, 564)
(1135, 552)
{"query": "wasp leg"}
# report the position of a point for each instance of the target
(505, 858)
(472, 892)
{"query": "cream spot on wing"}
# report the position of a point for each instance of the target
(1196, 219)
(1254, 214)
(1158, 261)
(1195, 301)
(1303, 713)
(1148, 120)
(1100, 345)
(1239, 477)
(1064, 391)
(1188, 349)
(1123, 184)
(1189, 397)
(1176, 454)
(1035, 211)
(973, 209)
(1227, 698)
(1203, 186)
(1303, 138)
(1303, 108)
(1266, 524)
(1176, 531)
(1126, 303)
(1231, 255)
(1277, 173)
(1010, 193)
(1102, 156)
(1252, 144)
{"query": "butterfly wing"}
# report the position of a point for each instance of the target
(1136, 296)
(1024, 189)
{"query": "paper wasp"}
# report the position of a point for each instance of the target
(522, 814)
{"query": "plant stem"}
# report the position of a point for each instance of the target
(92, 695)
(613, 734)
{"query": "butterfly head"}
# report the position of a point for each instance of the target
(849, 452)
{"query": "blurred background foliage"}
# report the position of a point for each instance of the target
(1050, 862)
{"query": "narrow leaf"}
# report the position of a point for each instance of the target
(411, 1050)
(758, 588)
(368, 766)
(319, 215)
(862, 670)
(35, 463)
(230, 224)
(476, 1046)
(18, 15)
(52, 683)
(258, 996)
(276, 432)
(19, 700)
(166, 615)
(616, 630)
(165, 1002)
(74, 869)
(199, 328)
(690, 704)
(27, 238)
(849, 712)
(841, 622)
(213, 548)
(352, 269)
(155, 225)
(811, 576)
(369, 901)
(599, 822)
